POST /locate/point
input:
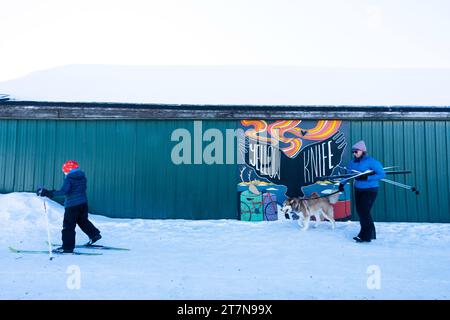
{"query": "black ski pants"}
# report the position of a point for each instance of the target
(73, 216)
(364, 199)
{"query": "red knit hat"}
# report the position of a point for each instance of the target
(69, 165)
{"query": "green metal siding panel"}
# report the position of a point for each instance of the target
(128, 165)
(442, 176)
(399, 150)
(431, 171)
(421, 167)
(411, 203)
(387, 145)
(420, 146)
(447, 173)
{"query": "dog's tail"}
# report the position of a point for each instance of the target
(334, 198)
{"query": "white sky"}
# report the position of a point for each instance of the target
(36, 35)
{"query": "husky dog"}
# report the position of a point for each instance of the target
(319, 207)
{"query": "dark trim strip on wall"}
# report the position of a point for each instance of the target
(93, 110)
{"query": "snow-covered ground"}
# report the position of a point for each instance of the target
(221, 259)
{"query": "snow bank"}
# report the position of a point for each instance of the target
(222, 259)
(27, 210)
(253, 85)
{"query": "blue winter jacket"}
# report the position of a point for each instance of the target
(367, 163)
(74, 189)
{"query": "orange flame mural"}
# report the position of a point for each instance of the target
(289, 132)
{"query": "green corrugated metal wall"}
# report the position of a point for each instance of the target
(130, 172)
(128, 165)
(424, 148)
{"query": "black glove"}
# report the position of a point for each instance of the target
(39, 192)
(362, 177)
(341, 187)
(42, 192)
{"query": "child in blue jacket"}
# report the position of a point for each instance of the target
(76, 207)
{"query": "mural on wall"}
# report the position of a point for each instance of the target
(287, 158)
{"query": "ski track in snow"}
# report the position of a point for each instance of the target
(221, 259)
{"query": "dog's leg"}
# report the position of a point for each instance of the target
(317, 216)
(329, 215)
(300, 219)
(306, 222)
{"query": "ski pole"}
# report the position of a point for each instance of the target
(48, 230)
(401, 185)
(398, 184)
(395, 183)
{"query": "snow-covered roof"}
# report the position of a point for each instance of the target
(243, 85)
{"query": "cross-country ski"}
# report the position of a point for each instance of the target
(94, 246)
(14, 250)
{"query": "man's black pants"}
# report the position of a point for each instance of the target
(73, 216)
(364, 200)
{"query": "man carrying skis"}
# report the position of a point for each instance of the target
(76, 207)
(366, 188)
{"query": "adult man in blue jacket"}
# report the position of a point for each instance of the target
(76, 207)
(366, 189)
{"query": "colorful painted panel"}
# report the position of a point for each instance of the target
(288, 158)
